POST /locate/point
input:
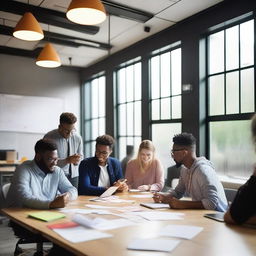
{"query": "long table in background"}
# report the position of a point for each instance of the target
(216, 238)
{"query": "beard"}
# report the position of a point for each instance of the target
(177, 164)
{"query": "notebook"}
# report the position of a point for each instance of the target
(46, 215)
(218, 216)
(155, 205)
(109, 192)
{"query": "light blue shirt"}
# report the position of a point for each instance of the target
(32, 188)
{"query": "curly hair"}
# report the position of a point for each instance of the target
(45, 145)
(184, 139)
(67, 118)
(106, 140)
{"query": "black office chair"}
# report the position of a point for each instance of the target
(230, 194)
(24, 238)
(172, 173)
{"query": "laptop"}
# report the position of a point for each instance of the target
(218, 216)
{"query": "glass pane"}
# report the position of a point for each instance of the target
(216, 52)
(232, 93)
(87, 130)
(216, 95)
(130, 120)
(176, 71)
(163, 144)
(176, 107)
(122, 119)
(165, 74)
(129, 83)
(247, 90)
(87, 106)
(137, 141)
(232, 48)
(155, 109)
(87, 149)
(231, 149)
(95, 128)
(101, 126)
(122, 147)
(247, 43)
(92, 145)
(165, 109)
(95, 99)
(155, 77)
(137, 118)
(102, 96)
(137, 81)
(121, 85)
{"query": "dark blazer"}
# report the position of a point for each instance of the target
(89, 173)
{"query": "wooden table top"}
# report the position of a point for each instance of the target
(216, 238)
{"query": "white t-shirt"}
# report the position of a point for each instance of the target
(104, 177)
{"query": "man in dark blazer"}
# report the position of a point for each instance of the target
(98, 173)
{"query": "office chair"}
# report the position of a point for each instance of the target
(173, 173)
(230, 194)
(25, 239)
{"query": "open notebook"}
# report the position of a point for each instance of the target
(109, 192)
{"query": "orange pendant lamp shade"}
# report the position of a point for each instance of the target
(86, 12)
(28, 28)
(48, 58)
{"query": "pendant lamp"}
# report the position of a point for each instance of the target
(86, 12)
(28, 28)
(48, 57)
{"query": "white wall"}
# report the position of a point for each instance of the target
(21, 76)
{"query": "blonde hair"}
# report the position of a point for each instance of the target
(148, 145)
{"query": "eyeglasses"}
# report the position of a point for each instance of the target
(175, 150)
(103, 153)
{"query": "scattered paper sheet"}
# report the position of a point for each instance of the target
(160, 215)
(134, 190)
(100, 223)
(181, 231)
(46, 215)
(155, 205)
(164, 245)
(142, 196)
(75, 233)
(97, 206)
(85, 211)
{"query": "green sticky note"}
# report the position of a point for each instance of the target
(46, 215)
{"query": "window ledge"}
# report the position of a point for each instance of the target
(233, 183)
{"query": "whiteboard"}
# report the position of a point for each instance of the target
(29, 114)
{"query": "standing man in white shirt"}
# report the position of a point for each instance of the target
(69, 146)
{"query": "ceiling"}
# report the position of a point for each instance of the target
(128, 21)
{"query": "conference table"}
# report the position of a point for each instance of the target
(216, 238)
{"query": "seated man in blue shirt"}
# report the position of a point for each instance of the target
(198, 179)
(98, 173)
(37, 184)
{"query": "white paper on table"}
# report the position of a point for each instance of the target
(142, 196)
(80, 234)
(96, 206)
(134, 190)
(100, 223)
(160, 215)
(181, 231)
(85, 211)
(158, 244)
(155, 205)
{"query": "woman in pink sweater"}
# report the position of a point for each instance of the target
(145, 172)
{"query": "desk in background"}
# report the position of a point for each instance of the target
(6, 173)
(217, 239)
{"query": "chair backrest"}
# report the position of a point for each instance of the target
(230, 194)
(5, 189)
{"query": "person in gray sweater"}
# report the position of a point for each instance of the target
(198, 179)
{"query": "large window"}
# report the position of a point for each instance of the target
(128, 88)
(165, 96)
(94, 112)
(231, 98)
